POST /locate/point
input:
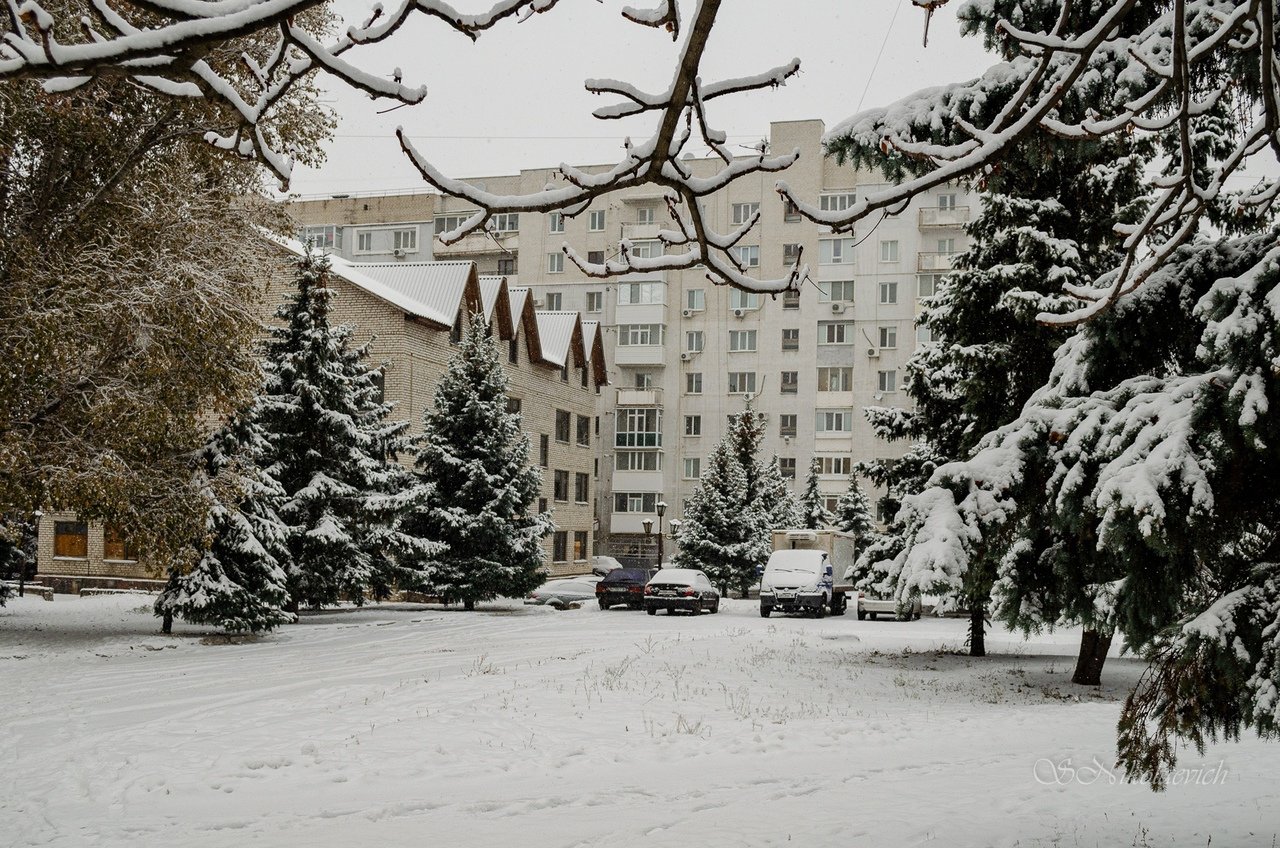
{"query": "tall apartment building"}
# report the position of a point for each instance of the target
(684, 354)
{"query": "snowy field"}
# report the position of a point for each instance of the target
(523, 726)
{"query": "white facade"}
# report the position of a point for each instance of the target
(684, 355)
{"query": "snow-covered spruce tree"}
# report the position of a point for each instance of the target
(777, 501)
(853, 514)
(473, 459)
(813, 509)
(239, 581)
(332, 448)
(723, 533)
(17, 548)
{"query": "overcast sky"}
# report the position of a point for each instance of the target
(514, 99)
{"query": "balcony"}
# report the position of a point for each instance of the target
(640, 397)
(641, 232)
(640, 355)
(477, 244)
(934, 262)
(641, 313)
(940, 216)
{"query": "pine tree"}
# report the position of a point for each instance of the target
(813, 509)
(332, 449)
(239, 581)
(474, 459)
(853, 514)
(777, 501)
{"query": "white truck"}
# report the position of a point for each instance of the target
(806, 573)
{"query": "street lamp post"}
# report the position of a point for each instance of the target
(648, 530)
(662, 510)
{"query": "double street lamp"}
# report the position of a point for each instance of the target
(661, 509)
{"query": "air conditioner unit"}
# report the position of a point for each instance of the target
(739, 313)
(686, 356)
(873, 353)
(687, 313)
(399, 253)
(537, 304)
(837, 308)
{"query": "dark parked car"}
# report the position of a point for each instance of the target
(681, 588)
(623, 586)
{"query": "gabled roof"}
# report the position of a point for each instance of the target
(561, 335)
(497, 305)
(525, 321)
(441, 288)
(593, 340)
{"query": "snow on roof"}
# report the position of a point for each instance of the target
(439, 286)
(556, 331)
(490, 288)
(496, 301)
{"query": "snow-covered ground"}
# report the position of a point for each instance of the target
(523, 726)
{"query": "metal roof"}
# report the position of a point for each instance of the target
(555, 330)
(438, 287)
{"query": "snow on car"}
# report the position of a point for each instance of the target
(681, 589)
(563, 594)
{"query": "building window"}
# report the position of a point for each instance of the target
(693, 340)
(71, 539)
(555, 222)
(544, 449)
(887, 380)
(116, 547)
(947, 245)
(787, 424)
(742, 212)
(635, 502)
(560, 546)
(595, 257)
(835, 333)
(562, 426)
(748, 255)
(791, 338)
(648, 249)
(841, 291)
(692, 467)
(553, 301)
(564, 373)
(455, 332)
(514, 405)
(636, 293)
(644, 380)
(324, 236)
(790, 212)
(595, 221)
(695, 299)
(742, 341)
(835, 379)
(579, 545)
(742, 382)
(787, 466)
(836, 251)
(888, 292)
(693, 383)
(837, 202)
(505, 222)
(833, 421)
(581, 487)
(639, 334)
(584, 430)
(693, 425)
(645, 214)
(645, 460)
(923, 334)
(448, 223)
(364, 241)
(555, 263)
(927, 284)
(584, 376)
(595, 301)
(506, 267)
(405, 240)
(835, 466)
(791, 299)
(946, 201)
(889, 337)
(542, 505)
(790, 382)
(639, 428)
(889, 250)
(513, 349)
(561, 490)
(738, 299)
(790, 253)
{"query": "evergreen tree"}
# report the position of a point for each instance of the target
(777, 501)
(813, 510)
(853, 514)
(473, 458)
(332, 449)
(18, 543)
(239, 581)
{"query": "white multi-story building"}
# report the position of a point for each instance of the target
(684, 354)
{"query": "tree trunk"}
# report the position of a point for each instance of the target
(469, 604)
(1093, 654)
(977, 629)
(166, 623)
(292, 607)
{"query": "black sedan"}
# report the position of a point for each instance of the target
(623, 586)
(681, 589)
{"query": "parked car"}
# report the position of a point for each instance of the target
(623, 586)
(680, 588)
(563, 594)
(887, 605)
(602, 565)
